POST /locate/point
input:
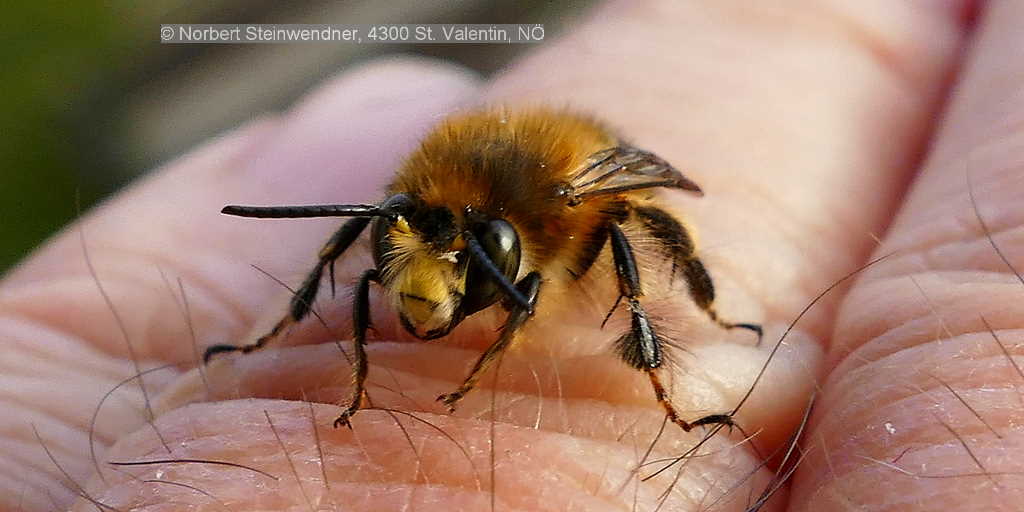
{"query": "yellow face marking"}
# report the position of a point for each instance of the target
(402, 226)
(423, 284)
(418, 309)
(423, 292)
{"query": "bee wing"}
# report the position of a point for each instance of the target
(624, 168)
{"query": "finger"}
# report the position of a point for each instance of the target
(775, 129)
(63, 347)
(170, 222)
(922, 395)
(802, 125)
(572, 450)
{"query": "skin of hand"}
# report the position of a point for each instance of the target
(811, 128)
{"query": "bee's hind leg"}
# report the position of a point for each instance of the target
(528, 286)
(302, 301)
(678, 245)
(640, 347)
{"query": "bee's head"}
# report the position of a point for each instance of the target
(432, 262)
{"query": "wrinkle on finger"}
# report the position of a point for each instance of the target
(924, 396)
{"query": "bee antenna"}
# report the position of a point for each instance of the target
(305, 211)
(478, 252)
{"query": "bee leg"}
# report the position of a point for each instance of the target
(640, 347)
(302, 300)
(360, 322)
(679, 246)
(528, 286)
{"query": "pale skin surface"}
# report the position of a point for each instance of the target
(804, 126)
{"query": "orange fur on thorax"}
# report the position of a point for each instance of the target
(511, 165)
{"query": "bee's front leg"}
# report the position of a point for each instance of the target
(529, 286)
(360, 322)
(302, 301)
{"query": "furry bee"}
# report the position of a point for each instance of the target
(492, 205)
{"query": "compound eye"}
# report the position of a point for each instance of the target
(398, 204)
(398, 207)
(500, 242)
(379, 238)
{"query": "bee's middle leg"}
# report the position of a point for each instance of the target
(528, 286)
(302, 301)
(641, 347)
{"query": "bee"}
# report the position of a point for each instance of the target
(494, 206)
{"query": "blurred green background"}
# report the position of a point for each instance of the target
(92, 99)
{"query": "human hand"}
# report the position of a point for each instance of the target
(804, 126)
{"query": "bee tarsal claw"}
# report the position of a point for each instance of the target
(450, 399)
(715, 419)
(343, 419)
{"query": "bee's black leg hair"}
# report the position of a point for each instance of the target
(360, 321)
(640, 347)
(302, 301)
(678, 246)
(528, 286)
